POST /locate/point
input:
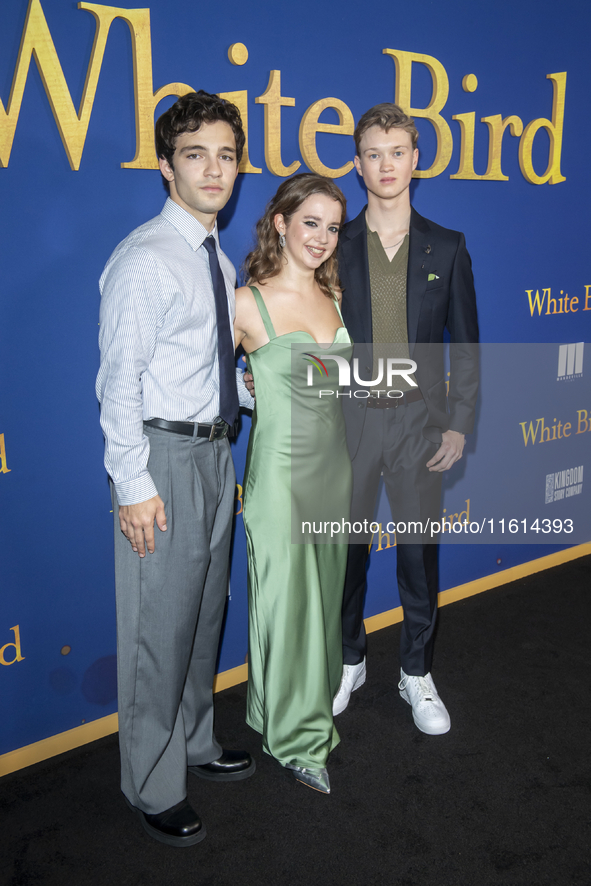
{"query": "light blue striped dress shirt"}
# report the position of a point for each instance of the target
(158, 341)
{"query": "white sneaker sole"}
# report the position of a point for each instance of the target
(429, 727)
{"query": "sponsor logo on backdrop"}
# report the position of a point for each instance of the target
(570, 361)
(11, 652)
(546, 304)
(564, 484)
(73, 124)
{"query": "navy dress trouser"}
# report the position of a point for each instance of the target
(392, 446)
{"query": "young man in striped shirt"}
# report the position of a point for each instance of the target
(169, 396)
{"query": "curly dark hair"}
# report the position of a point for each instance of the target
(387, 116)
(266, 259)
(188, 114)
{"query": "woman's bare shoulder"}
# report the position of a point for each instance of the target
(245, 306)
(245, 300)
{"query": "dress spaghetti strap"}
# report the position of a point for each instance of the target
(269, 328)
(337, 306)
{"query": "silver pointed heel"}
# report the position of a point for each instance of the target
(313, 778)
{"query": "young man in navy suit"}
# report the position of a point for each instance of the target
(405, 279)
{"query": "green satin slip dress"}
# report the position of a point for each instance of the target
(294, 590)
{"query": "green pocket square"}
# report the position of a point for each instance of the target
(432, 277)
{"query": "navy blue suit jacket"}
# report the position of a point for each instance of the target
(447, 301)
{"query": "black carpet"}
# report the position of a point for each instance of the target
(504, 798)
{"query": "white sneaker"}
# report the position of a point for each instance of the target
(353, 677)
(428, 711)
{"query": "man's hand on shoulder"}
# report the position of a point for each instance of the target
(450, 451)
(137, 523)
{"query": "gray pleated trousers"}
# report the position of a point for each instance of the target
(170, 606)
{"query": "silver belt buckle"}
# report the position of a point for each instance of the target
(219, 429)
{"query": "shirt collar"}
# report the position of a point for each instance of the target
(187, 225)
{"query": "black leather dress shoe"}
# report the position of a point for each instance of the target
(231, 766)
(178, 826)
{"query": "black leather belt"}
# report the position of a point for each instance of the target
(392, 402)
(215, 431)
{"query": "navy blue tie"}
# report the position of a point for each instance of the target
(228, 394)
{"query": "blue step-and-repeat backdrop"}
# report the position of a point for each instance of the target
(500, 93)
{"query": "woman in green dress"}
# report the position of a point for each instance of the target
(288, 321)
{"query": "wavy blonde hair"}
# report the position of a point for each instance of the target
(266, 259)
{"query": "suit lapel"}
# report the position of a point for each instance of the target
(354, 265)
(421, 249)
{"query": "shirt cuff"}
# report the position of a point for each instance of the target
(132, 492)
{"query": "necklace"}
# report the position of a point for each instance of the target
(395, 244)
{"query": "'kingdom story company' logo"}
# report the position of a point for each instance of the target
(395, 367)
(564, 484)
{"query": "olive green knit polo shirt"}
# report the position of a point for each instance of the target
(388, 304)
